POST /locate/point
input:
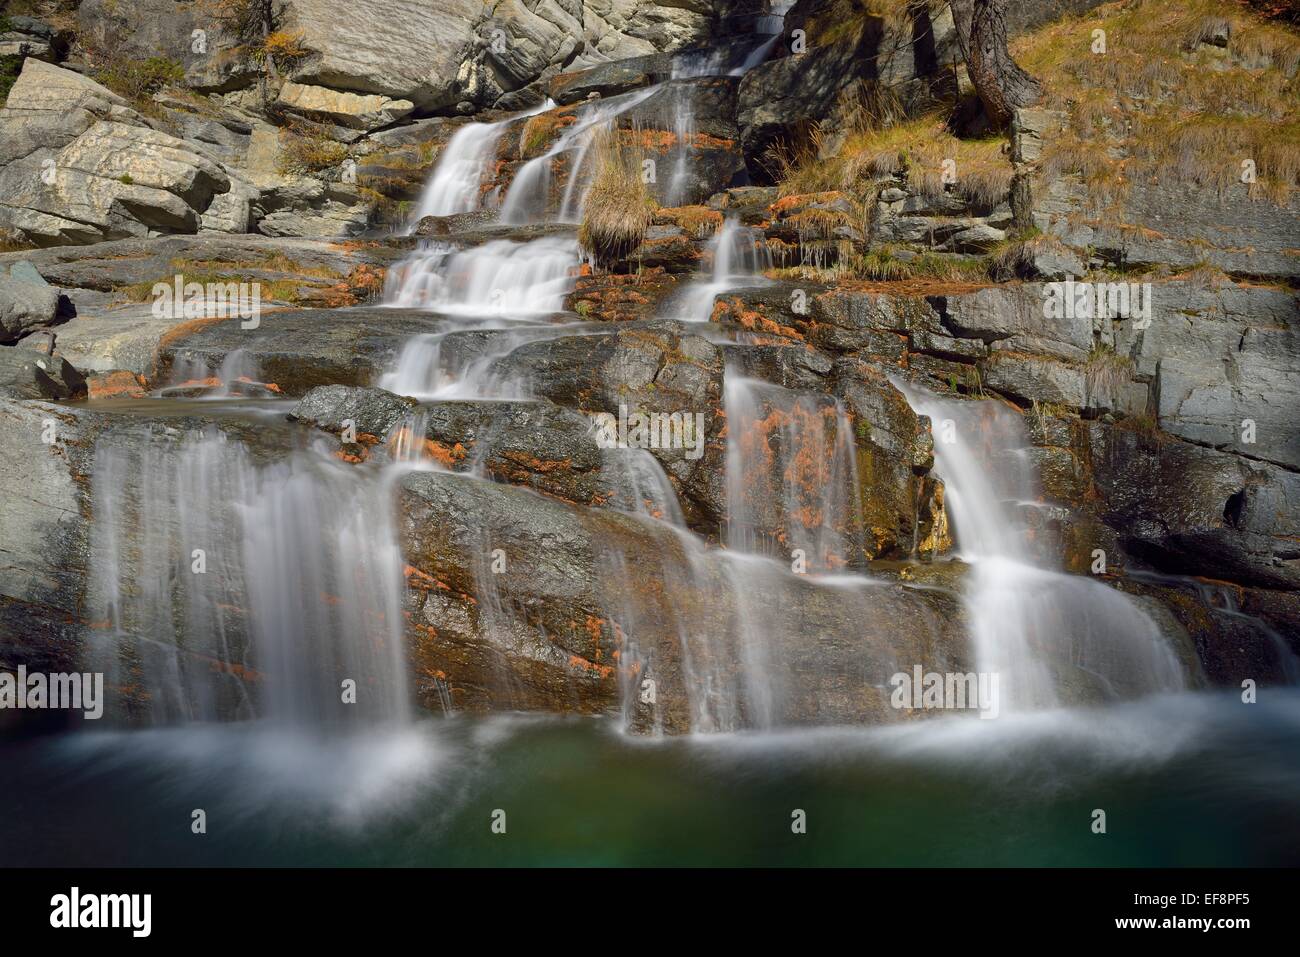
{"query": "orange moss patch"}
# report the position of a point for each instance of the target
(117, 384)
(661, 141)
(788, 203)
(579, 663)
(698, 221)
(180, 330)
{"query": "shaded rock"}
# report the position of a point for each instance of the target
(656, 367)
(27, 301)
(29, 374)
(1196, 511)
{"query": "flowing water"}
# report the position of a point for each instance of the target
(243, 570)
(737, 256)
(1031, 624)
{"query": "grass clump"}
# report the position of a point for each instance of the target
(619, 205)
(137, 80)
(305, 149)
(917, 152)
(283, 48)
(1105, 372)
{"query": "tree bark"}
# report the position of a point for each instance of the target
(1003, 87)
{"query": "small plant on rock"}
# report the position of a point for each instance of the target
(619, 206)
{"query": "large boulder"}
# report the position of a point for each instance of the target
(81, 166)
(27, 301)
(31, 374)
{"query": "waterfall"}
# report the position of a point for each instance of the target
(739, 256)
(458, 178)
(499, 278)
(228, 584)
(769, 25)
(792, 482)
(529, 200)
(1052, 638)
(456, 185)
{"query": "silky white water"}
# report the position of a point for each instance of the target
(737, 256)
(1052, 638)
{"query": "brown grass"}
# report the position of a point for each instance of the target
(619, 206)
(913, 151)
(1159, 106)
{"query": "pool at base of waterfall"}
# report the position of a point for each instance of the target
(1181, 780)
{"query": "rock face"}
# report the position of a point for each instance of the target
(654, 368)
(29, 374)
(441, 55)
(549, 630)
(300, 349)
(79, 165)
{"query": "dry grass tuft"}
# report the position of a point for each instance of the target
(619, 206)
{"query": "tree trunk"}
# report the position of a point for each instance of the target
(1002, 86)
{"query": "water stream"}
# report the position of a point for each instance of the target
(242, 570)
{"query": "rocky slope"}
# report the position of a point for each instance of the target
(904, 244)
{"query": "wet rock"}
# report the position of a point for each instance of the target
(371, 412)
(551, 629)
(895, 452)
(712, 158)
(788, 366)
(609, 79)
(116, 384)
(609, 297)
(297, 350)
(657, 367)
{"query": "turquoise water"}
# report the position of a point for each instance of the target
(1184, 780)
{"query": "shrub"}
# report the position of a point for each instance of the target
(139, 79)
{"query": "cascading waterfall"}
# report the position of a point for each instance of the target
(222, 579)
(457, 179)
(739, 256)
(456, 185)
(528, 199)
(769, 25)
(1052, 638)
(499, 278)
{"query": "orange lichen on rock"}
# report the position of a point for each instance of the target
(590, 667)
(116, 384)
